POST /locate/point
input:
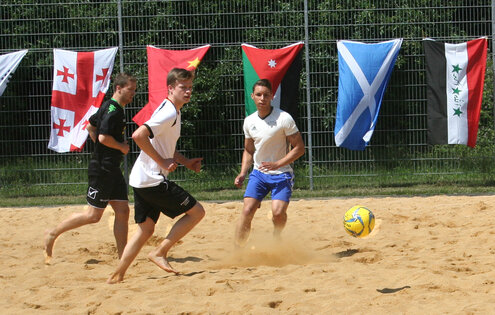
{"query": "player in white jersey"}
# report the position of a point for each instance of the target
(268, 133)
(153, 192)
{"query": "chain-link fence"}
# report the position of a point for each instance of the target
(212, 126)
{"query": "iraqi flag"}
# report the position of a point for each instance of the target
(364, 72)
(455, 75)
(8, 64)
(282, 67)
(160, 62)
(80, 81)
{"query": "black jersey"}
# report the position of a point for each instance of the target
(109, 120)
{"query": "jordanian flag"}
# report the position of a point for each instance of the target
(282, 67)
(455, 75)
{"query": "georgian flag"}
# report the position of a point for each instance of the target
(160, 62)
(80, 81)
(364, 72)
(8, 64)
(455, 75)
(282, 67)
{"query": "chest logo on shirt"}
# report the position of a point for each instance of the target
(271, 123)
(111, 108)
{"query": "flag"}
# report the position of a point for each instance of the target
(282, 67)
(455, 74)
(160, 62)
(8, 64)
(364, 72)
(80, 81)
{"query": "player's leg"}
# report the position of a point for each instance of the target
(281, 192)
(243, 228)
(97, 197)
(256, 190)
(119, 202)
(143, 233)
(91, 215)
(185, 224)
(120, 224)
(279, 216)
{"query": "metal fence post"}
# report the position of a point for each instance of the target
(308, 93)
(121, 59)
(493, 52)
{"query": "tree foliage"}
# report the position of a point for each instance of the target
(213, 119)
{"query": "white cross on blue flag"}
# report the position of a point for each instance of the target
(364, 71)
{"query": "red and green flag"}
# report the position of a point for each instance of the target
(160, 62)
(455, 75)
(282, 67)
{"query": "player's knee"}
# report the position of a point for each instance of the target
(147, 231)
(94, 217)
(279, 216)
(122, 214)
(198, 211)
(248, 212)
(120, 208)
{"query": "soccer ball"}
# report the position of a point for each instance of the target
(359, 221)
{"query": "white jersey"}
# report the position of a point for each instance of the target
(270, 137)
(165, 126)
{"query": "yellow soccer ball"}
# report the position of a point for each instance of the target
(359, 221)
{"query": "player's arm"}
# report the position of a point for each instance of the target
(192, 164)
(109, 141)
(92, 131)
(247, 161)
(142, 138)
(296, 152)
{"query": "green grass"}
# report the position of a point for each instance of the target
(445, 188)
(217, 185)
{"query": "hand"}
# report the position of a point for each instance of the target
(239, 180)
(170, 165)
(194, 164)
(268, 166)
(124, 148)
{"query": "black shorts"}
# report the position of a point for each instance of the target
(105, 185)
(168, 198)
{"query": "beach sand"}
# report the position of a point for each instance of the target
(426, 255)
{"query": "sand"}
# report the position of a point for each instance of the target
(426, 255)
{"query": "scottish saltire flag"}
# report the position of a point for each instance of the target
(364, 72)
(282, 67)
(455, 75)
(80, 81)
(160, 62)
(8, 64)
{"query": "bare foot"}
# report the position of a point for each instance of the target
(162, 262)
(240, 243)
(49, 241)
(115, 278)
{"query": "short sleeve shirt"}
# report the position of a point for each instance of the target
(109, 120)
(164, 125)
(270, 137)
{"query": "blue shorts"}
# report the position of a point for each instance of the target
(260, 184)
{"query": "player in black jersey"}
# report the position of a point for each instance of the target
(106, 184)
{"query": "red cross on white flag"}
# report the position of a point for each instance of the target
(80, 81)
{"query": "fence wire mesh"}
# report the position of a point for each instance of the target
(212, 125)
